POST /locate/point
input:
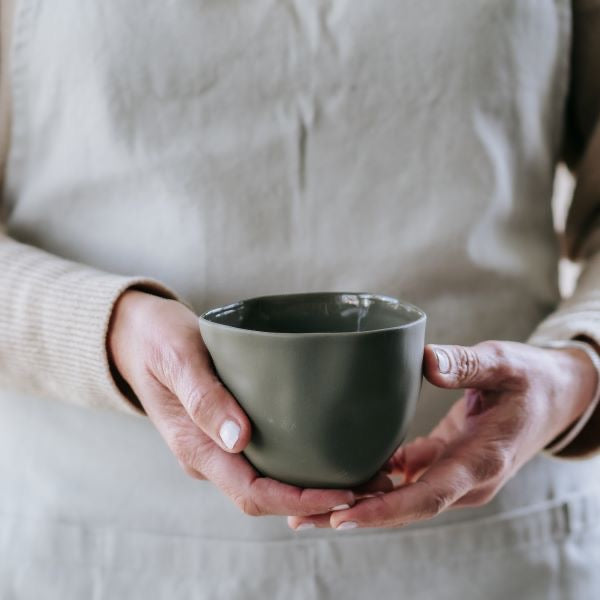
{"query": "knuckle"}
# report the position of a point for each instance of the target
(248, 506)
(495, 349)
(507, 366)
(500, 461)
(510, 372)
(468, 365)
(180, 449)
(496, 465)
(516, 423)
(193, 473)
(437, 501)
(202, 401)
(492, 467)
(188, 453)
(484, 496)
(168, 359)
(492, 463)
(437, 504)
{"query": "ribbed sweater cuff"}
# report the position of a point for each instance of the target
(54, 318)
(575, 320)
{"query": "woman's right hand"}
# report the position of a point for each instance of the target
(156, 346)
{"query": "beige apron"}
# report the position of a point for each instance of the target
(240, 147)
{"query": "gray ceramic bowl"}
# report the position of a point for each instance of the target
(329, 380)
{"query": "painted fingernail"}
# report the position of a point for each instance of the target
(347, 525)
(304, 526)
(443, 360)
(229, 433)
(341, 507)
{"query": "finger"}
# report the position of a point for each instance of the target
(395, 465)
(380, 483)
(257, 496)
(303, 523)
(232, 473)
(486, 366)
(439, 488)
(477, 497)
(420, 454)
(299, 523)
(207, 401)
(185, 440)
(193, 473)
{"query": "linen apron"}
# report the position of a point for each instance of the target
(242, 147)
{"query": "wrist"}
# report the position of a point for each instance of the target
(584, 375)
(121, 337)
(581, 363)
(121, 316)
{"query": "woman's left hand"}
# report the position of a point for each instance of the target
(517, 399)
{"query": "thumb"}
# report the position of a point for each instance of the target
(209, 404)
(485, 366)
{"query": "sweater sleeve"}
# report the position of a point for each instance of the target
(579, 315)
(54, 314)
(54, 317)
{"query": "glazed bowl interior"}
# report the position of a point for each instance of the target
(328, 312)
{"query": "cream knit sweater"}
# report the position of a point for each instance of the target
(54, 314)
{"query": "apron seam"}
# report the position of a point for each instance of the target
(564, 505)
(18, 69)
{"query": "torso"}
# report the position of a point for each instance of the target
(240, 148)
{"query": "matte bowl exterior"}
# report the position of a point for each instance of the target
(327, 409)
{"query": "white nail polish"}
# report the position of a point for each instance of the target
(341, 507)
(304, 526)
(229, 433)
(443, 361)
(347, 525)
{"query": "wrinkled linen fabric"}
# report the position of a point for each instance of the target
(230, 149)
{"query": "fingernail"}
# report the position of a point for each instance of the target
(304, 526)
(229, 433)
(347, 525)
(340, 507)
(443, 360)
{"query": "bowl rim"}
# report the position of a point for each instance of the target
(313, 334)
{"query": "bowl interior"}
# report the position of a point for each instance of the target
(317, 313)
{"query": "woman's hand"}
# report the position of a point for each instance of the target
(157, 348)
(518, 399)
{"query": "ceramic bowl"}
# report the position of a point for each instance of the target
(329, 380)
